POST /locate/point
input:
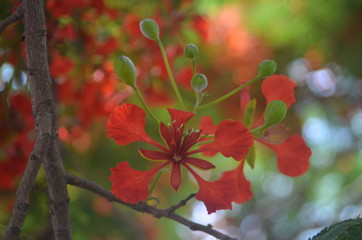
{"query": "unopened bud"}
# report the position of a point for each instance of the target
(149, 29)
(125, 70)
(191, 51)
(275, 112)
(266, 68)
(199, 82)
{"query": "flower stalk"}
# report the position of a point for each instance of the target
(170, 75)
(226, 96)
(138, 93)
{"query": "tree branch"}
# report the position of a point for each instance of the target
(144, 208)
(181, 203)
(15, 16)
(43, 105)
(23, 193)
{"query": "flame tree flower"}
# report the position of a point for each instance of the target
(292, 154)
(232, 139)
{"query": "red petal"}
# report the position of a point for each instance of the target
(179, 116)
(127, 124)
(278, 87)
(175, 176)
(215, 195)
(232, 139)
(293, 155)
(239, 186)
(207, 125)
(199, 163)
(166, 135)
(154, 155)
(131, 185)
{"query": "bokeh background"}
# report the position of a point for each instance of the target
(316, 43)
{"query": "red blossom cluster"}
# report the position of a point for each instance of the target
(85, 85)
(17, 138)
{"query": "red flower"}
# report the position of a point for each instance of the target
(292, 154)
(127, 124)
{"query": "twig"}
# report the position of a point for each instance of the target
(181, 203)
(144, 208)
(15, 16)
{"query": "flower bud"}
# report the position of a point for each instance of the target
(149, 29)
(125, 70)
(275, 112)
(199, 82)
(266, 68)
(191, 51)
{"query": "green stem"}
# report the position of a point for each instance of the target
(170, 75)
(198, 97)
(145, 105)
(259, 129)
(155, 182)
(236, 90)
(193, 66)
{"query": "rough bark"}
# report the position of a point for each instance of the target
(43, 105)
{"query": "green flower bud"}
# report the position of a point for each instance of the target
(149, 29)
(191, 51)
(266, 68)
(125, 70)
(275, 112)
(199, 82)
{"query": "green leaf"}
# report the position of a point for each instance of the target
(350, 229)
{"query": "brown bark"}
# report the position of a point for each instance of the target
(43, 104)
(46, 149)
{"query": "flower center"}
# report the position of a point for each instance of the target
(177, 157)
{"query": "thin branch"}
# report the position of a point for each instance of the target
(15, 16)
(181, 203)
(23, 193)
(144, 208)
